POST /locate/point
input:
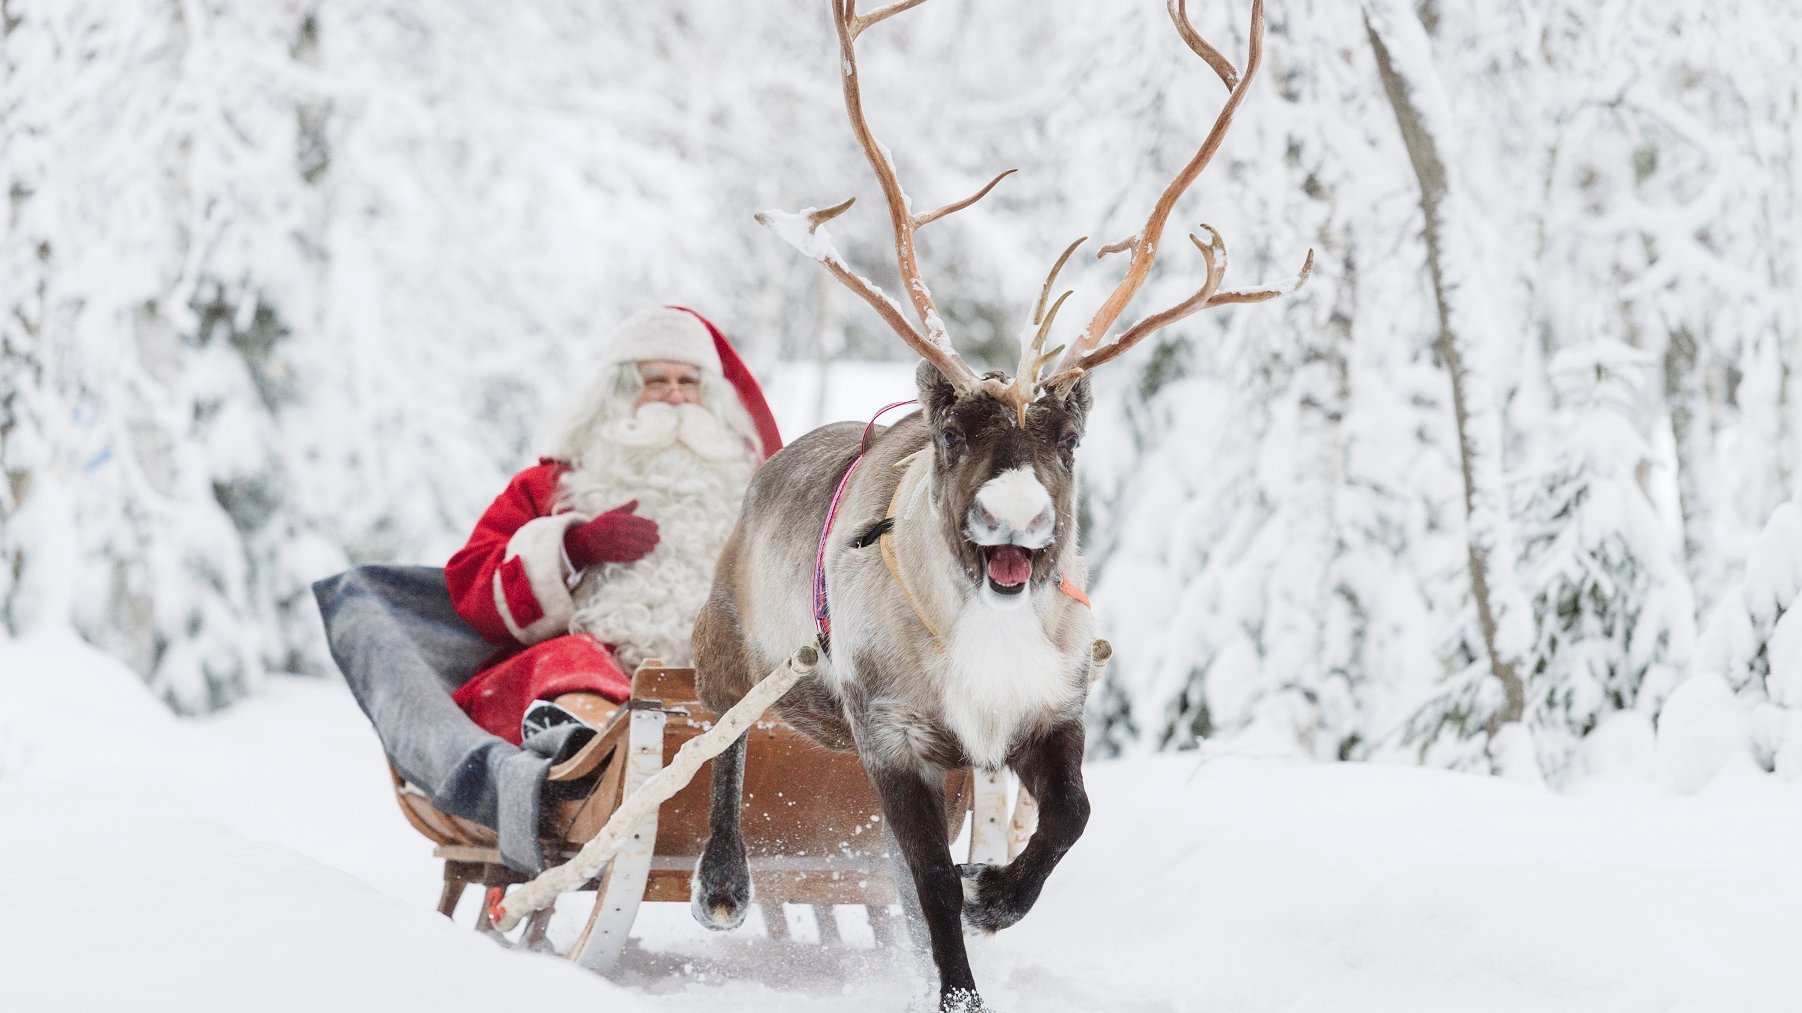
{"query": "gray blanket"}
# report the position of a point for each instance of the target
(403, 649)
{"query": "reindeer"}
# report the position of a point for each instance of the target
(957, 633)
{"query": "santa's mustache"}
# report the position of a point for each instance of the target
(659, 425)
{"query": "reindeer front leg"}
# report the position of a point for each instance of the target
(914, 805)
(1050, 768)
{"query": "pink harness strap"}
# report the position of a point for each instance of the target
(822, 613)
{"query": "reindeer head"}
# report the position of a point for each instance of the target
(1004, 480)
(1004, 447)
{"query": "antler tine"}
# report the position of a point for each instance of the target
(934, 345)
(932, 216)
(1031, 361)
(1087, 352)
(1206, 299)
(1038, 309)
(1025, 384)
(1241, 296)
(1229, 74)
(815, 219)
(1029, 353)
(861, 22)
(1214, 252)
(1129, 243)
(1045, 325)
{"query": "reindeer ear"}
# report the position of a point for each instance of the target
(936, 392)
(1079, 400)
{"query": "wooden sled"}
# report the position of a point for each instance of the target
(811, 825)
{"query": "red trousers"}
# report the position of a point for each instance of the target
(499, 693)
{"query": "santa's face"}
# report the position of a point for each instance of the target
(646, 415)
(668, 382)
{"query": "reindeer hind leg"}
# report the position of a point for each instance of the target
(720, 891)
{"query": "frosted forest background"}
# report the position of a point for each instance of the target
(287, 286)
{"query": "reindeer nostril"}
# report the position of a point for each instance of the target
(987, 517)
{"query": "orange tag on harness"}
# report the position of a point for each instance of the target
(1075, 593)
(496, 912)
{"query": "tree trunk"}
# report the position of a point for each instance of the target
(1474, 403)
(1684, 399)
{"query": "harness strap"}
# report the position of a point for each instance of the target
(822, 610)
(1072, 592)
(887, 543)
(822, 613)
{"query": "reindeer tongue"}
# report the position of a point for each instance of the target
(1009, 565)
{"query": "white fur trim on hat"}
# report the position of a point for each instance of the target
(664, 333)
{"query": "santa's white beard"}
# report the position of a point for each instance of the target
(688, 472)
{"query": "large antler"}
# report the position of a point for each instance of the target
(1091, 349)
(803, 229)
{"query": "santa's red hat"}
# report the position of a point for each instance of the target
(679, 334)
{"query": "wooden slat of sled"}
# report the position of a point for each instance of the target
(870, 887)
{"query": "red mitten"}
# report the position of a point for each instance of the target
(617, 536)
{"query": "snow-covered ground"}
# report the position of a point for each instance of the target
(255, 861)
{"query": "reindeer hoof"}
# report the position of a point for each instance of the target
(989, 898)
(961, 1000)
(720, 892)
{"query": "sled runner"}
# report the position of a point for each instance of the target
(811, 821)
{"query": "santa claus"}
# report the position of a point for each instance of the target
(601, 555)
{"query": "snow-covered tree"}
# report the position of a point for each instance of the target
(1742, 699)
(152, 170)
(1468, 345)
(1282, 604)
(1612, 609)
(1659, 140)
(290, 285)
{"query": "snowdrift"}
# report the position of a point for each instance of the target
(255, 861)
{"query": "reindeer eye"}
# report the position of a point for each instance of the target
(952, 438)
(1069, 442)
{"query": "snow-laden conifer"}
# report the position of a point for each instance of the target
(1742, 699)
(1612, 609)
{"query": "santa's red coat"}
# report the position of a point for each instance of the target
(510, 582)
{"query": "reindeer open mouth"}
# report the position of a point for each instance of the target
(1009, 567)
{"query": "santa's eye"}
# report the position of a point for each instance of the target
(658, 384)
